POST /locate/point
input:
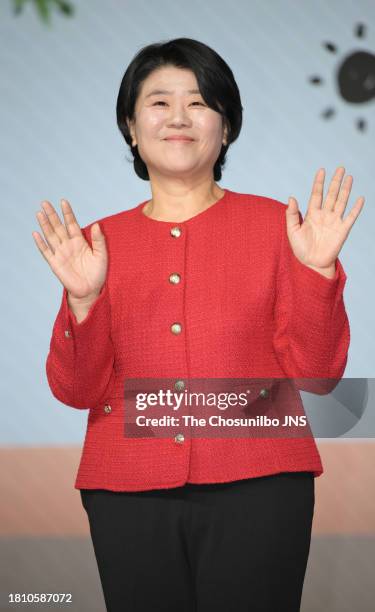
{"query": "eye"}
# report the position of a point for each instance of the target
(163, 102)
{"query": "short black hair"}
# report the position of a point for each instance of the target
(215, 81)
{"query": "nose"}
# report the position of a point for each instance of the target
(178, 117)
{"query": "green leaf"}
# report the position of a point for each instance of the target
(65, 7)
(42, 7)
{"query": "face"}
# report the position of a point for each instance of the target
(180, 112)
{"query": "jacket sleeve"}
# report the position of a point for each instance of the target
(80, 362)
(311, 333)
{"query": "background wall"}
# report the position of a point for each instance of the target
(59, 138)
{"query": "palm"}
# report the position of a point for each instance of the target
(80, 268)
(77, 267)
(318, 240)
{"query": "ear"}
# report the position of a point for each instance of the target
(225, 135)
(132, 131)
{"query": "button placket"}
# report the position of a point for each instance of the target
(176, 327)
(175, 278)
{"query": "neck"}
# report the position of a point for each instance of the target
(181, 202)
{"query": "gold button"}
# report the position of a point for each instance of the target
(107, 408)
(174, 278)
(179, 438)
(176, 328)
(67, 333)
(179, 385)
(175, 232)
(263, 393)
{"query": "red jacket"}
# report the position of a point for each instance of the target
(246, 308)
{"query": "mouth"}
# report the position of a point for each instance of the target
(179, 139)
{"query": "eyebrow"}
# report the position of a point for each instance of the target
(157, 92)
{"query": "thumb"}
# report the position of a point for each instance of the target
(293, 215)
(97, 239)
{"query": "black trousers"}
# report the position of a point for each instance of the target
(237, 546)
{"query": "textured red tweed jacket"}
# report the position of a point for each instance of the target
(246, 308)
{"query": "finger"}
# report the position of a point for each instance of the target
(97, 240)
(70, 220)
(292, 215)
(317, 190)
(50, 235)
(352, 216)
(334, 188)
(342, 200)
(55, 221)
(43, 247)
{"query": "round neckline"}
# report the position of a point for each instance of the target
(197, 217)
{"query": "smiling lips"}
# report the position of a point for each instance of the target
(179, 139)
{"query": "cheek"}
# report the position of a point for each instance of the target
(150, 122)
(209, 128)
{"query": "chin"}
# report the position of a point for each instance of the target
(176, 168)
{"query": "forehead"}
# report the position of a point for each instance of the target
(170, 79)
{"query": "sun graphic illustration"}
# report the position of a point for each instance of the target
(355, 77)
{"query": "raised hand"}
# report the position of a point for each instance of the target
(318, 240)
(80, 268)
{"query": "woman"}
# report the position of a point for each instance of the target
(200, 282)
